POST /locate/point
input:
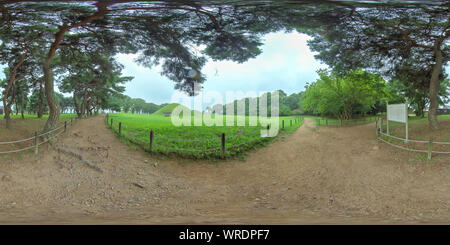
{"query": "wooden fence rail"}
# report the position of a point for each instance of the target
(223, 138)
(35, 139)
(429, 143)
(341, 123)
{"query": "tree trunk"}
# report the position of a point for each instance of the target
(12, 80)
(7, 118)
(83, 105)
(48, 73)
(22, 105)
(434, 89)
(51, 101)
(88, 107)
(420, 107)
(41, 100)
(75, 104)
(15, 100)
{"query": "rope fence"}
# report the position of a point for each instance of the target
(36, 137)
(429, 143)
(341, 123)
(152, 146)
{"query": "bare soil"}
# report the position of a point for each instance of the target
(314, 176)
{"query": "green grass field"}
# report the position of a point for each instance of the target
(198, 142)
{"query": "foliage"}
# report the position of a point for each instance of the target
(411, 39)
(70, 42)
(343, 96)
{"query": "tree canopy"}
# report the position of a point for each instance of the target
(73, 43)
(343, 96)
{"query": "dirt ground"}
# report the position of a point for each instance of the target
(314, 176)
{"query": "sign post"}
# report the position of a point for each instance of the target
(387, 119)
(406, 123)
(398, 113)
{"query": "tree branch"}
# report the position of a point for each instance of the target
(407, 37)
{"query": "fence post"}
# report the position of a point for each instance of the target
(282, 124)
(36, 150)
(111, 122)
(387, 126)
(70, 121)
(120, 128)
(65, 126)
(223, 145)
(381, 124)
(326, 122)
(151, 141)
(268, 129)
(430, 147)
(376, 127)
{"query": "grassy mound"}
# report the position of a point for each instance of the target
(168, 109)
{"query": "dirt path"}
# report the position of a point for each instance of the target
(314, 176)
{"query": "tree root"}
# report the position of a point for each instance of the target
(79, 157)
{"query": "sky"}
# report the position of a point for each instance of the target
(285, 63)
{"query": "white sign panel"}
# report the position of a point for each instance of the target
(397, 113)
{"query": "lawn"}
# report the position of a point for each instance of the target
(418, 130)
(199, 142)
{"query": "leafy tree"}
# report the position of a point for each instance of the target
(347, 35)
(93, 77)
(343, 96)
(165, 32)
(386, 37)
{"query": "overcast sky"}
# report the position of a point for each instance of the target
(286, 63)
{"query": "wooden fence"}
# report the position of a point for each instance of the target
(429, 143)
(221, 147)
(35, 139)
(342, 123)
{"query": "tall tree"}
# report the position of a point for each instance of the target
(168, 32)
(386, 36)
(343, 96)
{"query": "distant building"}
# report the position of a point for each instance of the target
(443, 111)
